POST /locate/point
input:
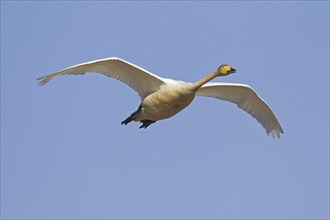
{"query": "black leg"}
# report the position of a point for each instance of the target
(146, 123)
(127, 120)
(132, 116)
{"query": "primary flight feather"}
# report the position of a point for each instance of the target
(162, 98)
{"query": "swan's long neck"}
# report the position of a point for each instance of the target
(204, 80)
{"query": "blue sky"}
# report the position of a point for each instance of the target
(64, 153)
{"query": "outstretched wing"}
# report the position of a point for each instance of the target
(142, 81)
(248, 100)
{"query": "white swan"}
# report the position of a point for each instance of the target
(162, 98)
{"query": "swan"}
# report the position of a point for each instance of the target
(162, 98)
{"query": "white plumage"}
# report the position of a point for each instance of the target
(162, 98)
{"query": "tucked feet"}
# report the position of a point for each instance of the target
(132, 116)
(146, 123)
(127, 120)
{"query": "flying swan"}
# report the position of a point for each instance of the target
(162, 98)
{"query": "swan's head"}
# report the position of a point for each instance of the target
(225, 70)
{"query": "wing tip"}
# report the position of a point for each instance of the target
(43, 80)
(276, 132)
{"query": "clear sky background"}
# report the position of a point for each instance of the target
(64, 153)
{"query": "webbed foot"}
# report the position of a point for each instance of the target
(132, 116)
(146, 123)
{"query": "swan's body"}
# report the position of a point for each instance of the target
(166, 102)
(162, 98)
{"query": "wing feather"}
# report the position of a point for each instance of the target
(248, 100)
(139, 79)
